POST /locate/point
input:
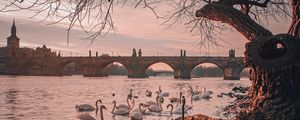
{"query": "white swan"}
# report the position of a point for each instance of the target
(148, 93)
(87, 107)
(138, 113)
(206, 94)
(124, 106)
(195, 96)
(152, 102)
(178, 110)
(175, 99)
(192, 91)
(85, 116)
(162, 94)
(155, 107)
(119, 111)
(205, 91)
(136, 116)
(89, 117)
(179, 104)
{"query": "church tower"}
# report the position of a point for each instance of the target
(13, 41)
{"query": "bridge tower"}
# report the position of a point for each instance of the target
(233, 68)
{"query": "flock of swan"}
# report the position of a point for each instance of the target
(177, 105)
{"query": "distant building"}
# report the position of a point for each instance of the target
(13, 49)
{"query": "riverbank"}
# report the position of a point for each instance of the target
(231, 111)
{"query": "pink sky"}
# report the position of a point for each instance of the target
(136, 28)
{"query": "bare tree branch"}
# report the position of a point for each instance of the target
(95, 16)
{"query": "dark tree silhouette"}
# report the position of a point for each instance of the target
(273, 59)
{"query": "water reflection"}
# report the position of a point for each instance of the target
(11, 103)
(27, 98)
(11, 96)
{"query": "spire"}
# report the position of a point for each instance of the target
(13, 40)
(13, 29)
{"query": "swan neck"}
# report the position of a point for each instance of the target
(172, 107)
(101, 113)
(140, 109)
(130, 108)
(97, 105)
(192, 98)
(180, 97)
(113, 107)
(76, 107)
(128, 103)
(178, 103)
(159, 103)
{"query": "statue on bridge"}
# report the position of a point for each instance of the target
(140, 53)
(58, 54)
(181, 53)
(231, 53)
(133, 52)
(90, 53)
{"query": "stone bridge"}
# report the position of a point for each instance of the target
(136, 66)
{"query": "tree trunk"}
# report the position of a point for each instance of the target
(275, 74)
(275, 71)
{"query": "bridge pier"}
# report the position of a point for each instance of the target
(233, 68)
(184, 71)
(231, 74)
(136, 68)
(176, 74)
(185, 75)
(134, 73)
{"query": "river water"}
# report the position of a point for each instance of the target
(48, 98)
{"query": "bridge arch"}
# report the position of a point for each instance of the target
(158, 62)
(167, 68)
(31, 68)
(62, 66)
(213, 69)
(114, 68)
(210, 62)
